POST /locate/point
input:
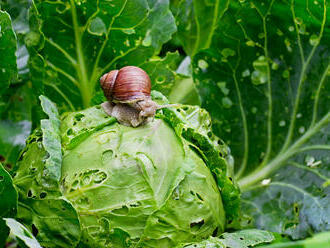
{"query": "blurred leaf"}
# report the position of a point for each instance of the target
(15, 122)
(270, 104)
(22, 234)
(18, 11)
(321, 240)
(72, 43)
(197, 21)
(8, 202)
(240, 239)
(8, 67)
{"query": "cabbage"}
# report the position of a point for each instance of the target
(86, 180)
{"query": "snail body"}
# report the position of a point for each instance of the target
(128, 93)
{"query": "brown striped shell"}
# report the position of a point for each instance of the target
(129, 84)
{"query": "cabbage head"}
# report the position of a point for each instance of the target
(84, 180)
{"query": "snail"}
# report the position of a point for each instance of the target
(128, 93)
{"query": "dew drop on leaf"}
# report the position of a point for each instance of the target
(282, 123)
(314, 40)
(223, 88)
(227, 52)
(226, 102)
(147, 41)
(246, 73)
(202, 64)
(259, 75)
(301, 129)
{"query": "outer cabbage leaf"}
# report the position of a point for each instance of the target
(194, 124)
(24, 236)
(197, 21)
(8, 203)
(8, 66)
(242, 239)
(265, 82)
(72, 43)
(41, 206)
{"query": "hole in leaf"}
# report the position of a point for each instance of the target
(42, 195)
(34, 230)
(2, 158)
(197, 225)
(121, 211)
(29, 194)
(69, 132)
(8, 166)
(241, 238)
(215, 232)
(199, 197)
(79, 116)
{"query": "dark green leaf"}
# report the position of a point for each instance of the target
(197, 21)
(240, 239)
(265, 82)
(8, 195)
(18, 11)
(8, 202)
(8, 66)
(15, 123)
(21, 233)
(321, 240)
(72, 43)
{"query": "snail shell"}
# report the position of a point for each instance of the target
(129, 84)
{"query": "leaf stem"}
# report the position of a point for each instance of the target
(86, 92)
(256, 176)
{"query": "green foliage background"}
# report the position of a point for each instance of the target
(260, 68)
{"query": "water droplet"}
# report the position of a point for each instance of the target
(226, 102)
(301, 129)
(147, 41)
(128, 31)
(288, 45)
(282, 123)
(279, 32)
(227, 52)
(314, 40)
(223, 88)
(316, 2)
(286, 74)
(261, 35)
(254, 110)
(298, 20)
(266, 181)
(291, 28)
(299, 115)
(3, 70)
(250, 43)
(275, 66)
(202, 64)
(126, 42)
(246, 73)
(259, 75)
(309, 160)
